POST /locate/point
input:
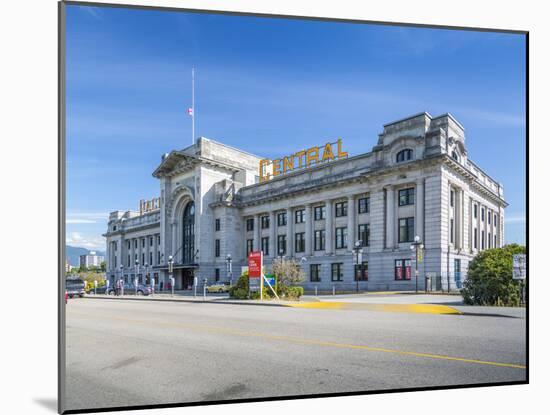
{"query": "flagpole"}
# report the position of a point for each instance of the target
(193, 103)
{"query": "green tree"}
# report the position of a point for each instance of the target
(288, 273)
(490, 280)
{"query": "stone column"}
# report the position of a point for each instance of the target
(289, 232)
(390, 217)
(155, 249)
(328, 228)
(272, 235)
(459, 219)
(351, 223)
(419, 216)
(308, 233)
(256, 242)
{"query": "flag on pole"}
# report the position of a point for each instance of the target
(190, 111)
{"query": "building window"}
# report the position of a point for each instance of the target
(128, 245)
(150, 241)
(319, 240)
(496, 242)
(114, 265)
(475, 211)
(341, 209)
(158, 257)
(404, 155)
(150, 258)
(128, 261)
(364, 205)
(406, 230)
(315, 272)
(402, 269)
(475, 238)
(482, 240)
(250, 224)
(489, 240)
(362, 271)
(406, 196)
(217, 247)
(142, 258)
(364, 234)
(319, 212)
(217, 225)
(300, 242)
(452, 230)
(158, 239)
(341, 238)
(135, 243)
(217, 274)
(281, 244)
(454, 155)
(265, 222)
(489, 217)
(281, 219)
(114, 246)
(249, 246)
(495, 221)
(337, 271)
(299, 216)
(265, 245)
(143, 242)
(452, 198)
(483, 214)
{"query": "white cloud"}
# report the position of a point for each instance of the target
(515, 218)
(76, 217)
(93, 242)
(72, 221)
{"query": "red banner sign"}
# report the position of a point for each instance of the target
(255, 259)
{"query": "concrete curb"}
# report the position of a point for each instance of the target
(180, 300)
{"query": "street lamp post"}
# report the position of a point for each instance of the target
(136, 277)
(229, 269)
(358, 252)
(121, 280)
(416, 246)
(170, 271)
(146, 266)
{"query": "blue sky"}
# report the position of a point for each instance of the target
(272, 86)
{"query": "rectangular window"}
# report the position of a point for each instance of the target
(341, 209)
(319, 212)
(475, 238)
(483, 214)
(217, 273)
(341, 238)
(158, 257)
(249, 246)
(452, 198)
(496, 242)
(281, 219)
(128, 261)
(143, 242)
(114, 246)
(452, 230)
(158, 239)
(475, 211)
(135, 243)
(150, 241)
(406, 197)
(482, 239)
(315, 272)
(299, 216)
(299, 242)
(362, 271)
(217, 225)
(496, 221)
(364, 205)
(406, 230)
(337, 271)
(128, 245)
(319, 240)
(281, 244)
(151, 258)
(363, 234)
(489, 217)
(489, 240)
(265, 222)
(142, 258)
(402, 269)
(250, 224)
(265, 245)
(217, 248)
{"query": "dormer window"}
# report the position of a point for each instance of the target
(454, 155)
(404, 155)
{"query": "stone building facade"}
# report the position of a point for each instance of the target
(416, 181)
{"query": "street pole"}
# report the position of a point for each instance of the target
(204, 289)
(416, 245)
(170, 270)
(136, 277)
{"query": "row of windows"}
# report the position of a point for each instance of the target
(337, 272)
(319, 213)
(491, 242)
(494, 215)
(150, 238)
(143, 262)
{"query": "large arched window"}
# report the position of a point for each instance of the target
(404, 155)
(188, 244)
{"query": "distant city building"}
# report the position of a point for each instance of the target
(315, 206)
(91, 260)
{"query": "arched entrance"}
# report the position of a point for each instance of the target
(188, 243)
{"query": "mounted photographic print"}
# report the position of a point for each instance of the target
(262, 207)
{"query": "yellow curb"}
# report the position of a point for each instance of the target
(391, 308)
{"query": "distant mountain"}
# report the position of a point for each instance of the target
(73, 254)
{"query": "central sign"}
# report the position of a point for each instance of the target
(301, 159)
(255, 264)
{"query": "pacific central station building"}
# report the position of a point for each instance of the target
(315, 206)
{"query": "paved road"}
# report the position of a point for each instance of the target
(139, 352)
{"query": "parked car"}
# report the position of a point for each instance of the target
(130, 289)
(218, 287)
(98, 290)
(75, 287)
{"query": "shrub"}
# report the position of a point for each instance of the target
(240, 289)
(490, 280)
(294, 293)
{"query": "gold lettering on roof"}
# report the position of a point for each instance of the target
(151, 205)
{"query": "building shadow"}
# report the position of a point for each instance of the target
(48, 403)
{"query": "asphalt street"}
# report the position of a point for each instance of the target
(123, 353)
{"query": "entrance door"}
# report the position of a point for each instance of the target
(187, 279)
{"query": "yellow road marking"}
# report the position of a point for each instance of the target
(299, 340)
(393, 308)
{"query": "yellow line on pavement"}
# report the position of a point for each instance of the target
(392, 308)
(298, 340)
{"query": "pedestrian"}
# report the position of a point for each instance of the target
(161, 283)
